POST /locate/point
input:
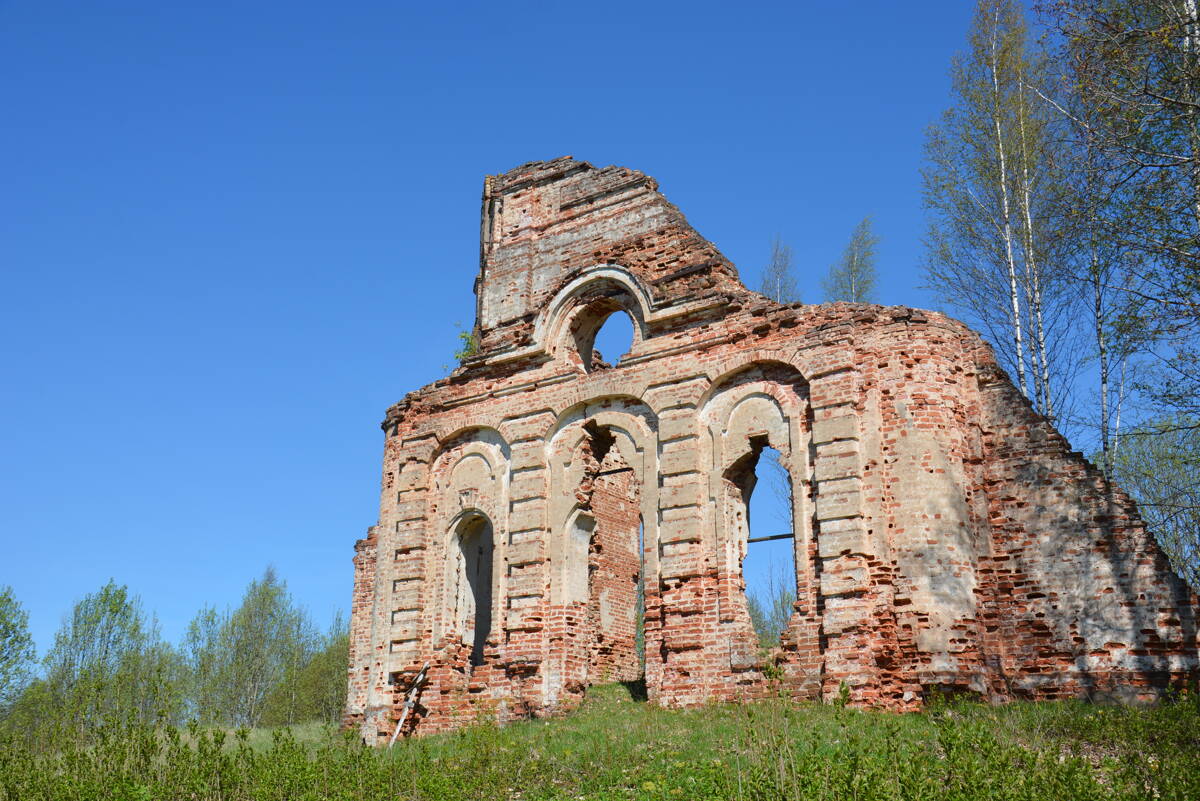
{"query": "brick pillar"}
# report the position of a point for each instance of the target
(361, 641)
(845, 551)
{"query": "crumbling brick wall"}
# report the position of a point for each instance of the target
(944, 533)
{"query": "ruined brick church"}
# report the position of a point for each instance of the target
(944, 533)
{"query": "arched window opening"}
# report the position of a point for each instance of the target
(612, 343)
(769, 564)
(473, 585)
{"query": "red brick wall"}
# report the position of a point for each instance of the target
(614, 566)
(947, 535)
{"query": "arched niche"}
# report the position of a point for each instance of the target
(470, 476)
(483, 436)
(578, 542)
(470, 580)
(470, 469)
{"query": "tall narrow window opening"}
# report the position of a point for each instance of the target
(474, 591)
(769, 564)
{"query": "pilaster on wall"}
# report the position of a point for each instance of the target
(686, 623)
(524, 597)
(844, 547)
(681, 555)
(404, 587)
(674, 552)
(398, 570)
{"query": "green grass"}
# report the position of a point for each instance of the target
(615, 748)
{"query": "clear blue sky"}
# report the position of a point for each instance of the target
(231, 234)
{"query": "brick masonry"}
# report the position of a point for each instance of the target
(946, 536)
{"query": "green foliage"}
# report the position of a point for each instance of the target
(852, 278)
(1159, 464)
(614, 748)
(246, 662)
(468, 345)
(16, 648)
(315, 689)
(992, 188)
(772, 607)
(758, 619)
(263, 662)
(108, 662)
(202, 654)
(1134, 70)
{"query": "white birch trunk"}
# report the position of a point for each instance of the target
(853, 277)
(1035, 364)
(1041, 362)
(1116, 432)
(1192, 45)
(1014, 299)
(1102, 352)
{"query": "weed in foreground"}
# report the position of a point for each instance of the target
(615, 748)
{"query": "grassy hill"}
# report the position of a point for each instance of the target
(617, 748)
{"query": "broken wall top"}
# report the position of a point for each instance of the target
(546, 222)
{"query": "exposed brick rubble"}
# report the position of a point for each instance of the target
(945, 533)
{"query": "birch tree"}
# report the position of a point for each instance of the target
(239, 658)
(988, 175)
(322, 682)
(1112, 312)
(108, 662)
(1156, 463)
(202, 652)
(1031, 143)
(779, 276)
(16, 648)
(771, 608)
(853, 277)
(1133, 68)
(780, 285)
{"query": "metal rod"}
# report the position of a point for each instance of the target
(408, 703)
(614, 470)
(787, 536)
